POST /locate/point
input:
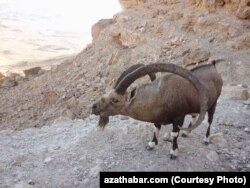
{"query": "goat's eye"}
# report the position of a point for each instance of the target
(113, 100)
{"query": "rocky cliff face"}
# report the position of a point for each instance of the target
(126, 4)
(166, 30)
(240, 8)
(187, 33)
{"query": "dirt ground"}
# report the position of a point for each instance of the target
(72, 152)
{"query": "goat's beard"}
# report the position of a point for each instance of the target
(103, 121)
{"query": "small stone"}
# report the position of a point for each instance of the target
(94, 171)
(86, 181)
(31, 182)
(213, 156)
(246, 102)
(242, 85)
(218, 140)
(22, 184)
(16, 180)
(167, 137)
(247, 130)
(67, 113)
(113, 164)
(233, 167)
(247, 107)
(7, 186)
(47, 160)
(57, 147)
(76, 183)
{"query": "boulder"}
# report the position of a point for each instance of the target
(127, 38)
(243, 11)
(1, 76)
(195, 57)
(126, 4)
(8, 82)
(72, 109)
(22, 184)
(32, 72)
(218, 140)
(99, 26)
(235, 92)
(49, 97)
(213, 156)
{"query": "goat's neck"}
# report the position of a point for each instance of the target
(125, 111)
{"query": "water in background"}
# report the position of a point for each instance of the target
(36, 30)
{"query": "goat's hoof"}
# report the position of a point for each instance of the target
(206, 143)
(173, 157)
(184, 135)
(148, 148)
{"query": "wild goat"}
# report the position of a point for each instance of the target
(166, 100)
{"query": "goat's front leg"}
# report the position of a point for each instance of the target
(174, 134)
(155, 139)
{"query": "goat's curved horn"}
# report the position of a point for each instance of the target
(104, 120)
(130, 70)
(162, 67)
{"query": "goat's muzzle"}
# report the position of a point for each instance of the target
(95, 109)
(103, 120)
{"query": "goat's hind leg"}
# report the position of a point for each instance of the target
(155, 139)
(210, 120)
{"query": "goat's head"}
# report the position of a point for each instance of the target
(113, 103)
(109, 104)
(116, 101)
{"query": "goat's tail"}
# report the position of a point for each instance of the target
(190, 128)
(216, 61)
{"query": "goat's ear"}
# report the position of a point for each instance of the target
(131, 95)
